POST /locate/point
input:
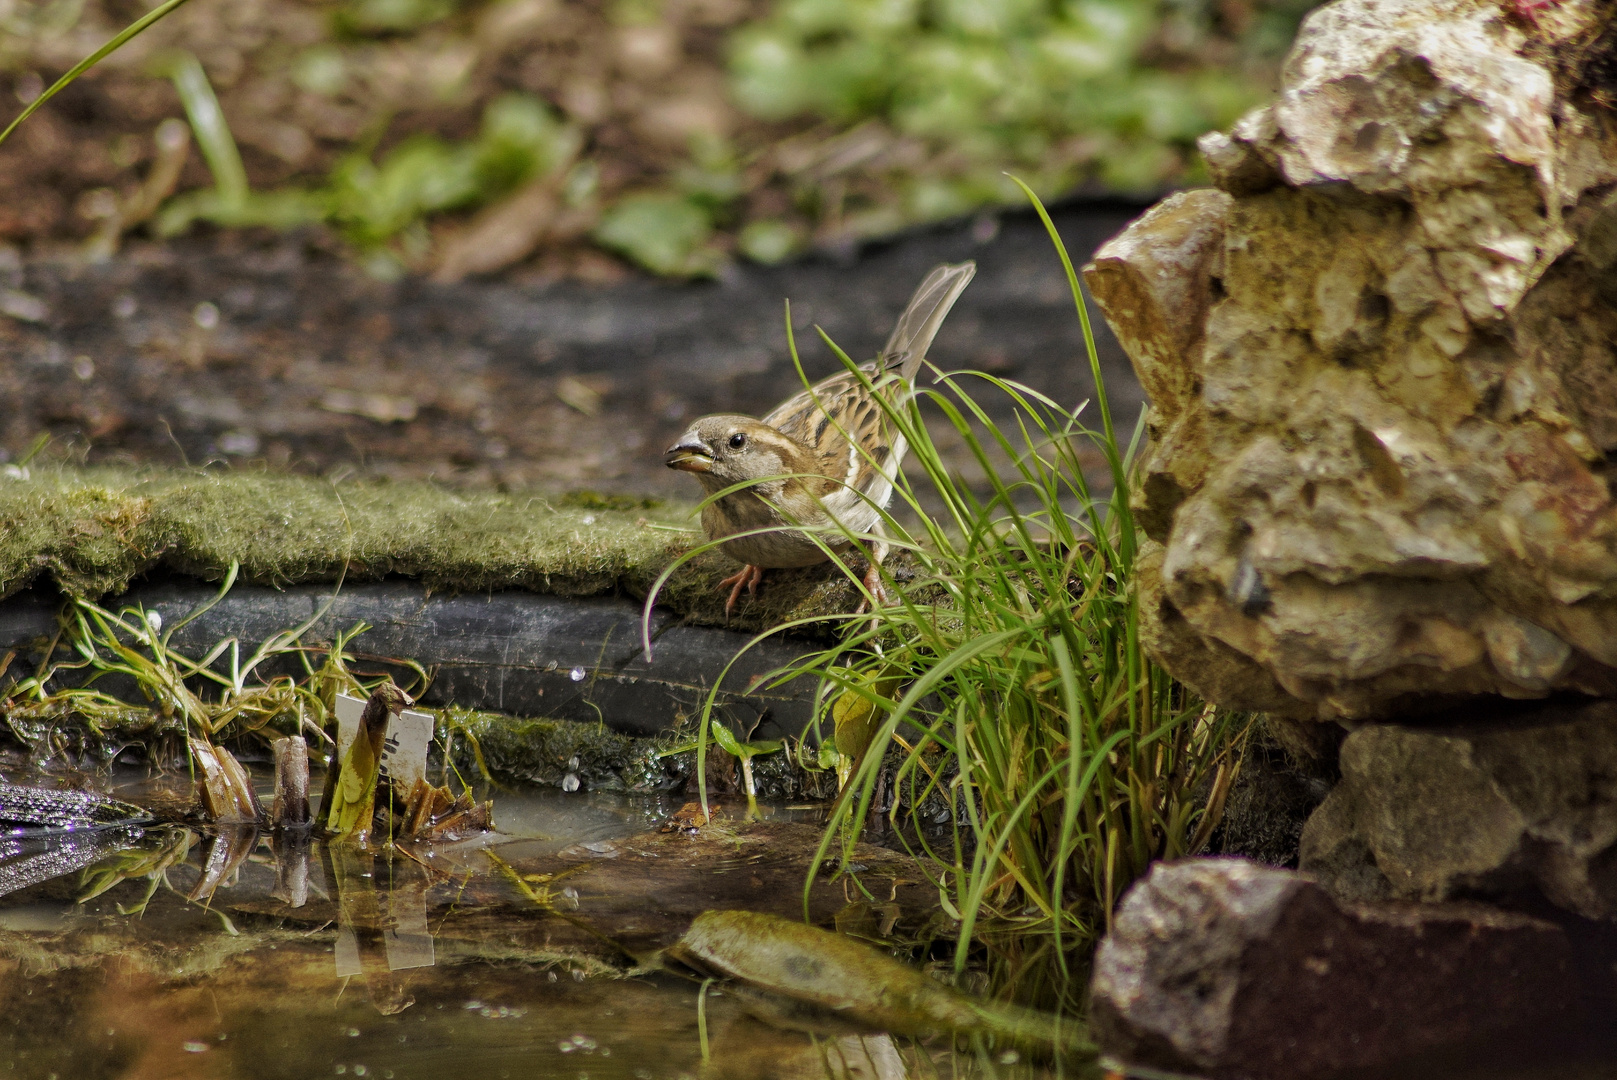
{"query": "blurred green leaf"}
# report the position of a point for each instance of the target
(320, 70)
(208, 124)
(286, 208)
(389, 16)
(372, 202)
(664, 233)
(769, 242)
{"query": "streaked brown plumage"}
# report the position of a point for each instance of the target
(824, 459)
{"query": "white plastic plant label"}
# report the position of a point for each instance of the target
(404, 750)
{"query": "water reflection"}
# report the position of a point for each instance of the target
(292, 868)
(167, 951)
(40, 855)
(381, 930)
(223, 852)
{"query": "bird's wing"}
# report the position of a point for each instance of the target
(858, 450)
(912, 336)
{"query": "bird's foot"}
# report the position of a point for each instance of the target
(748, 578)
(874, 587)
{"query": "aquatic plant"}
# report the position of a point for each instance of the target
(135, 646)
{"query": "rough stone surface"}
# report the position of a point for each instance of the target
(1272, 798)
(1229, 969)
(1483, 809)
(1382, 370)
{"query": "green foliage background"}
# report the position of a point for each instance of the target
(678, 134)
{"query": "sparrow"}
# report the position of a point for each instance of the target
(823, 462)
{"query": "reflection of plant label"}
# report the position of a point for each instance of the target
(404, 749)
(405, 936)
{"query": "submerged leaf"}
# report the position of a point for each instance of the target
(848, 978)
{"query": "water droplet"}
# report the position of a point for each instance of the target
(193, 1047)
(577, 674)
(155, 621)
(360, 1070)
(240, 443)
(125, 306)
(353, 1033)
(569, 782)
(473, 1005)
(206, 315)
(572, 763)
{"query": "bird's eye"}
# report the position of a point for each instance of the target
(737, 441)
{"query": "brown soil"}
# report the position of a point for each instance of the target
(258, 351)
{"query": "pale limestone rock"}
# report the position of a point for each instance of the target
(1382, 370)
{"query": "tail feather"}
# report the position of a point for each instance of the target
(919, 324)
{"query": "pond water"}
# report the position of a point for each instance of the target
(169, 953)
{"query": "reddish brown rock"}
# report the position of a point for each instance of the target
(1236, 971)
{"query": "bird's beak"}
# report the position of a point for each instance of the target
(688, 455)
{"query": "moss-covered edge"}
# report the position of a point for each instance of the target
(93, 531)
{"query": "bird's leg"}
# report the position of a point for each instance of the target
(873, 583)
(748, 578)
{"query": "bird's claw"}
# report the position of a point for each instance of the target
(874, 589)
(747, 578)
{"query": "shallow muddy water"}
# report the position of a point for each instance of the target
(179, 954)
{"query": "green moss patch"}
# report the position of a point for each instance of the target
(93, 531)
(548, 751)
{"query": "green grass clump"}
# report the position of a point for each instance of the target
(1076, 761)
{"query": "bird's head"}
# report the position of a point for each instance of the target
(724, 450)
